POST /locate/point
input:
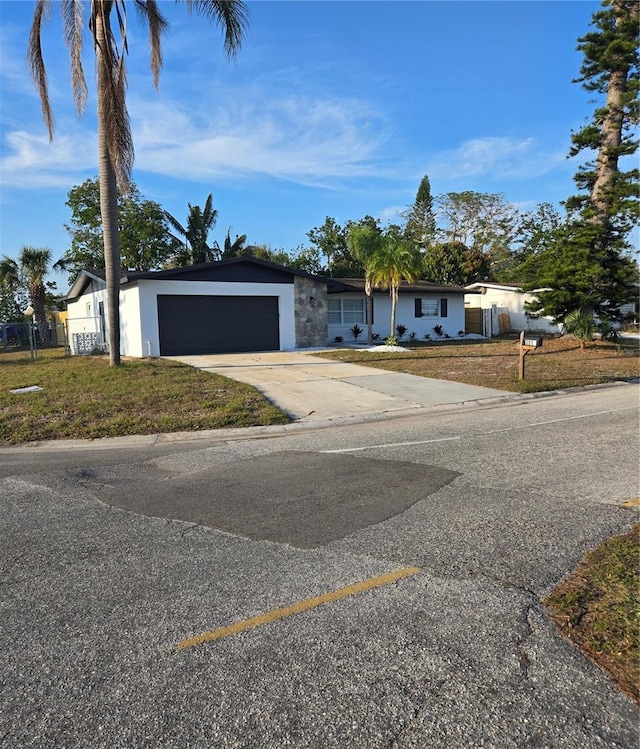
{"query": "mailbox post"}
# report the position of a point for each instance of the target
(527, 343)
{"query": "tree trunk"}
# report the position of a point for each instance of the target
(108, 206)
(610, 140)
(37, 296)
(612, 123)
(394, 301)
(367, 290)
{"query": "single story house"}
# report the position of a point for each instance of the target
(245, 304)
(503, 307)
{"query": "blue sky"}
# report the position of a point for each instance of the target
(330, 109)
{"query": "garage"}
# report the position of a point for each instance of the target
(241, 304)
(217, 324)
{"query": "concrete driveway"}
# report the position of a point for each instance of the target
(312, 389)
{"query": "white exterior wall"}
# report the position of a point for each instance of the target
(131, 341)
(421, 326)
(148, 342)
(512, 301)
(83, 316)
(405, 315)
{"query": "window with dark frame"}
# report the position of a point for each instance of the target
(431, 307)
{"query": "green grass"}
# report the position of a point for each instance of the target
(597, 609)
(82, 397)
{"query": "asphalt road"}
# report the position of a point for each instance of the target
(112, 558)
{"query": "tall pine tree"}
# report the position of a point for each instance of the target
(589, 266)
(421, 218)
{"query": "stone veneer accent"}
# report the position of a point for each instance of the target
(310, 310)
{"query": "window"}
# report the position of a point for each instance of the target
(431, 307)
(346, 311)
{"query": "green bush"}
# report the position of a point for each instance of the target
(580, 324)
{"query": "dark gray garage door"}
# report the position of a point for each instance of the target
(217, 324)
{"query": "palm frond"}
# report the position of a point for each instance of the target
(73, 23)
(150, 12)
(36, 63)
(34, 262)
(175, 223)
(209, 215)
(232, 15)
(208, 204)
(9, 273)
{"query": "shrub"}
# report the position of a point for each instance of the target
(391, 341)
(338, 339)
(401, 330)
(356, 331)
(438, 330)
(580, 324)
(608, 332)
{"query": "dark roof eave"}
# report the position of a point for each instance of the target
(420, 287)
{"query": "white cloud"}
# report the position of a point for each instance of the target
(392, 214)
(34, 162)
(294, 138)
(525, 206)
(309, 142)
(497, 157)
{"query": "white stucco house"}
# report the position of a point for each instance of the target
(245, 304)
(504, 310)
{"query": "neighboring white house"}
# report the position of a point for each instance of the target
(504, 310)
(245, 304)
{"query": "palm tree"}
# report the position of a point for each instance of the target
(199, 224)
(115, 145)
(365, 242)
(31, 267)
(392, 262)
(235, 248)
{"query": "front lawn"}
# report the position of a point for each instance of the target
(559, 363)
(83, 397)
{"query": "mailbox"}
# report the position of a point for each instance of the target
(532, 341)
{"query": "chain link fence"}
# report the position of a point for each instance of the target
(25, 335)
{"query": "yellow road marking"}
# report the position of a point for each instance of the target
(296, 608)
(632, 502)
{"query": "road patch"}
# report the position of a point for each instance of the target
(304, 499)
